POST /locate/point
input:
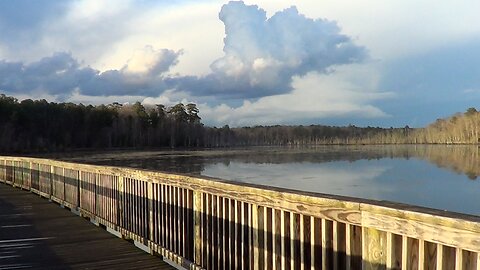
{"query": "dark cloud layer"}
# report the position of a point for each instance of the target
(62, 75)
(262, 55)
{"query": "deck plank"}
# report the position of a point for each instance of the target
(37, 234)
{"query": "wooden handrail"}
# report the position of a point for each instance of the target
(201, 222)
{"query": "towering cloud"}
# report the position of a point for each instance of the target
(263, 54)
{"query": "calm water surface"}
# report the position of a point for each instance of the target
(441, 177)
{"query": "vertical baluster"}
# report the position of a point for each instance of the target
(226, 233)
(296, 235)
(182, 210)
(241, 235)
(151, 212)
(313, 236)
(478, 261)
(219, 233)
(197, 212)
(258, 240)
(237, 242)
(283, 237)
(439, 257)
(171, 220)
(250, 257)
(278, 239)
(214, 232)
(421, 255)
(458, 259)
(175, 218)
(269, 238)
(302, 241)
(373, 252)
(292, 239)
(231, 239)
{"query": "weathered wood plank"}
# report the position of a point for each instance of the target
(197, 208)
(439, 262)
(478, 261)
(425, 230)
(421, 254)
(285, 237)
(374, 249)
(249, 258)
(304, 240)
(151, 213)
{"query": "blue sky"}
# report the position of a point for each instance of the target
(368, 62)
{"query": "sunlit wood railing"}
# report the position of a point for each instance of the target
(213, 224)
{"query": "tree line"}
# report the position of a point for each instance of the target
(461, 128)
(41, 126)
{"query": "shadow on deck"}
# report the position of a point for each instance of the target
(37, 234)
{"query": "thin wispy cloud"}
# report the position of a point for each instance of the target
(471, 91)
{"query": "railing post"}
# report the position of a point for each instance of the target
(64, 186)
(30, 175)
(52, 172)
(80, 204)
(150, 214)
(121, 199)
(14, 175)
(79, 184)
(255, 236)
(2, 170)
(197, 214)
(374, 255)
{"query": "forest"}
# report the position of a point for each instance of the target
(41, 126)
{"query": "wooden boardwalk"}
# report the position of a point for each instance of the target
(37, 234)
(204, 223)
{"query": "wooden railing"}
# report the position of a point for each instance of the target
(214, 224)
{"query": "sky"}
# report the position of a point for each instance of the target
(366, 62)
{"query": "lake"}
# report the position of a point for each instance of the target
(435, 176)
